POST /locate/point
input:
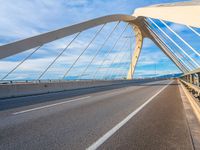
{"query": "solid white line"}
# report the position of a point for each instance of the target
(106, 136)
(116, 92)
(50, 105)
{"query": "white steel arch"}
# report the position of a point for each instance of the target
(184, 13)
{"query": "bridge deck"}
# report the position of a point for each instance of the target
(80, 119)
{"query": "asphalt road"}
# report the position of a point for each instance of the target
(137, 116)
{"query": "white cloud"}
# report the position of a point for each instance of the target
(21, 19)
(177, 27)
(75, 3)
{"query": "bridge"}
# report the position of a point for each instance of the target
(95, 102)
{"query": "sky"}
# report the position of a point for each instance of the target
(22, 19)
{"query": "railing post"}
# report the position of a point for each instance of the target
(198, 79)
(191, 78)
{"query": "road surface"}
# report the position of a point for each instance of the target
(137, 116)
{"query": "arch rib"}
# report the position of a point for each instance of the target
(26, 44)
(137, 23)
(136, 53)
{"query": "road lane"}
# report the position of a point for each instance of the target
(8, 119)
(48, 106)
(12, 105)
(160, 125)
(73, 125)
(106, 136)
(52, 97)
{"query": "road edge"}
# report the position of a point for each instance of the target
(192, 115)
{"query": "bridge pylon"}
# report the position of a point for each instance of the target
(136, 53)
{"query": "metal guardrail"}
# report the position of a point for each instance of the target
(191, 81)
(30, 81)
(72, 80)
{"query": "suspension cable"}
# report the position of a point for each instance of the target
(118, 66)
(128, 64)
(186, 43)
(175, 43)
(169, 47)
(97, 52)
(173, 50)
(193, 30)
(27, 57)
(110, 51)
(113, 70)
(58, 56)
(112, 62)
(97, 33)
(189, 65)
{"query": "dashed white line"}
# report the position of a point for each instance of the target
(106, 136)
(50, 105)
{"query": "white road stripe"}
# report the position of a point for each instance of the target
(50, 105)
(106, 136)
(118, 92)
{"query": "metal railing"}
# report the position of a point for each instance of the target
(191, 81)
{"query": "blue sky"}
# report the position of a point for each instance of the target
(23, 18)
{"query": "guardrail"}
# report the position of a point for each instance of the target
(61, 81)
(18, 89)
(191, 81)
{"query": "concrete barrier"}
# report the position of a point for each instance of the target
(25, 89)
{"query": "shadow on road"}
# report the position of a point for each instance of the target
(35, 99)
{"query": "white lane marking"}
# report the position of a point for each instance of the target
(50, 105)
(15, 99)
(106, 136)
(116, 92)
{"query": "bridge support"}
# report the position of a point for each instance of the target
(137, 50)
(183, 13)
